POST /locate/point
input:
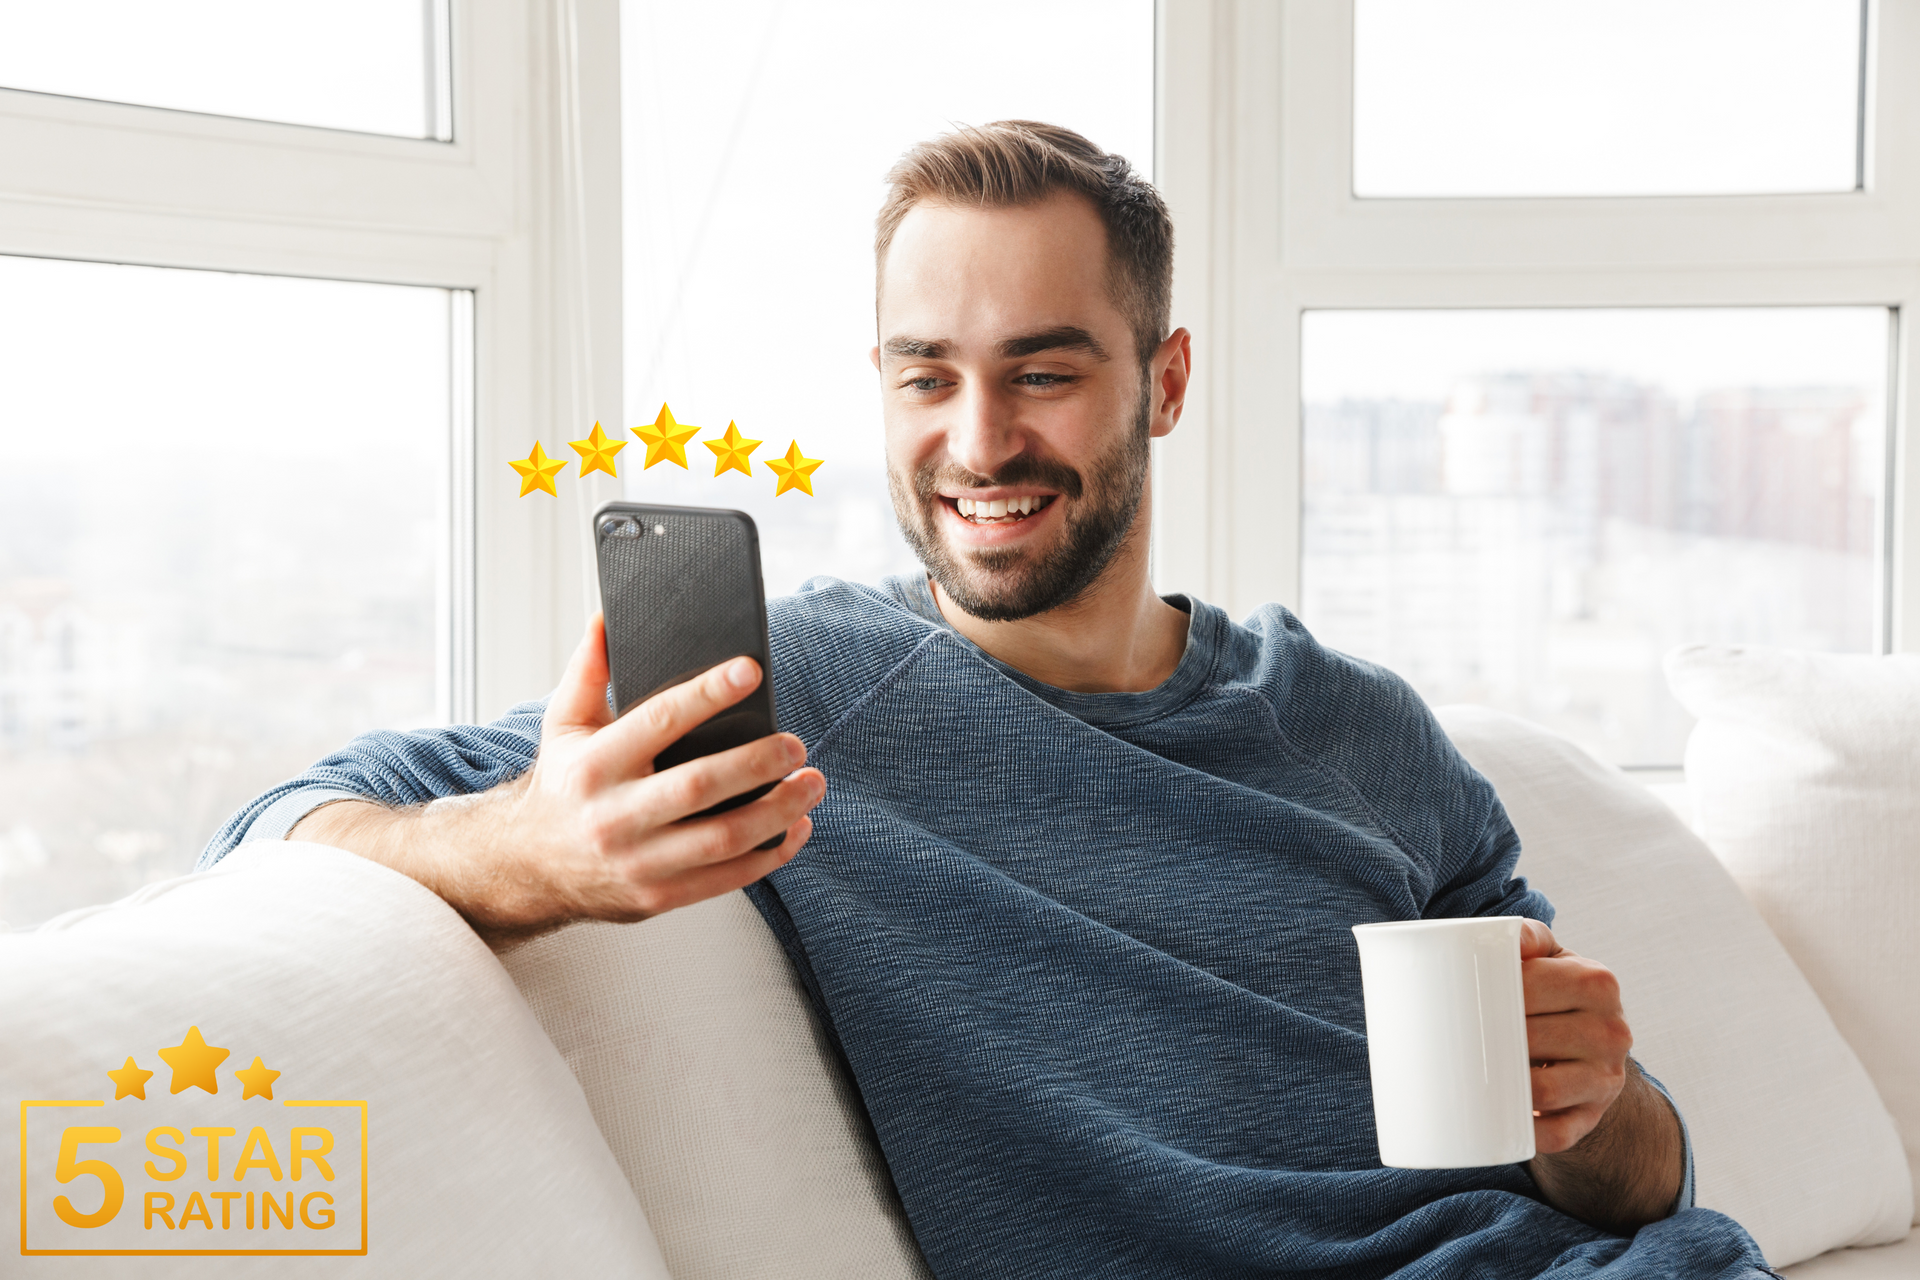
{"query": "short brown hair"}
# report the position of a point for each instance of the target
(1017, 162)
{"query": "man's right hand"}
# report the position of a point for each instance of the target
(591, 831)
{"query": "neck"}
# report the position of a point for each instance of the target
(1117, 636)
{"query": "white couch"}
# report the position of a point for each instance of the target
(655, 1099)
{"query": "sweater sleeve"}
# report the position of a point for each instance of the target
(391, 768)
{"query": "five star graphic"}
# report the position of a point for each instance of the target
(666, 439)
(193, 1061)
(794, 471)
(536, 471)
(730, 451)
(258, 1081)
(596, 452)
(130, 1082)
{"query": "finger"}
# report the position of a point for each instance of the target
(1562, 1086)
(627, 748)
(1564, 1037)
(701, 842)
(580, 703)
(702, 883)
(1536, 940)
(689, 788)
(1558, 1131)
(1566, 983)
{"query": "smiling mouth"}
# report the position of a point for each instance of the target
(1000, 510)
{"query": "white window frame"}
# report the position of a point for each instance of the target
(522, 208)
(1254, 132)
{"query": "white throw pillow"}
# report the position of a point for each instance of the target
(356, 985)
(1805, 775)
(1790, 1138)
(719, 1095)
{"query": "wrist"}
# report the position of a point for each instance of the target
(1627, 1171)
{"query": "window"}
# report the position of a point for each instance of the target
(376, 66)
(252, 571)
(1528, 509)
(1606, 97)
(1518, 448)
(267, 377)
(754, 168)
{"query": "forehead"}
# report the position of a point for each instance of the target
(957, 272)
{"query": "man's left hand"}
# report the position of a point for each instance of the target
(1610, 1150)
(1577, 1038)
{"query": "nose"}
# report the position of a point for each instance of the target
(982, 436)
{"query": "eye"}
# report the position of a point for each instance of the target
(1044, 379)
(926, 383)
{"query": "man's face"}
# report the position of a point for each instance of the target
(1017, 413)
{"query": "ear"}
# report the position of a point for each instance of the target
(1171, 371)
(874, 355)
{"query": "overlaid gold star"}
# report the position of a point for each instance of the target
(258, 1081)
(537, 471)
(794, 471)
(130, 1082)
(596, 452)
(193, 1061)
(666, 439)
(730, 451)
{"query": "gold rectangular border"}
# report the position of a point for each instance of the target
(193, 1253)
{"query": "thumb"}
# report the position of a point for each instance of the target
(580, 703)
(1537, 941)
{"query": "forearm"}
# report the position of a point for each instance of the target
(1627, 1172)
(444, 845)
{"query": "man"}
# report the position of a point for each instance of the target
(1076, 905)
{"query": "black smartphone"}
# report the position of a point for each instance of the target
(681, 590)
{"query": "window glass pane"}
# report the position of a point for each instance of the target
(757, 135)
(218, 552)
(1605, 97)
(375, 66)
(1529, 509)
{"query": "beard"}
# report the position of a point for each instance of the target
(1005, 584)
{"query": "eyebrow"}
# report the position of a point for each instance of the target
(917, 348)
(1070, 337)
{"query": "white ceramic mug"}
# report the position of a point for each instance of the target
(1447, 1042)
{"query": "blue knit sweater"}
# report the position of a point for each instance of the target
(1088, 956)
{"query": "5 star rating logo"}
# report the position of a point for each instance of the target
(160, 1180)
(666, 441)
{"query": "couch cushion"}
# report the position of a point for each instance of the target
(1886, 1262)
(355, 984)
(1805, 777)
(719, 1095)
(1790, 1138)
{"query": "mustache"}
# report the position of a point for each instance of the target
(1022, 469)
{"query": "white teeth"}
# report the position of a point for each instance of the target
(998, 508)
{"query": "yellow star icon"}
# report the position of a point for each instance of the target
(794, 471)
(537, 471)
(193, 1061)
(596, 452)
(258, 1081)
(130, 1082)
(666, 439)
(730, 451)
